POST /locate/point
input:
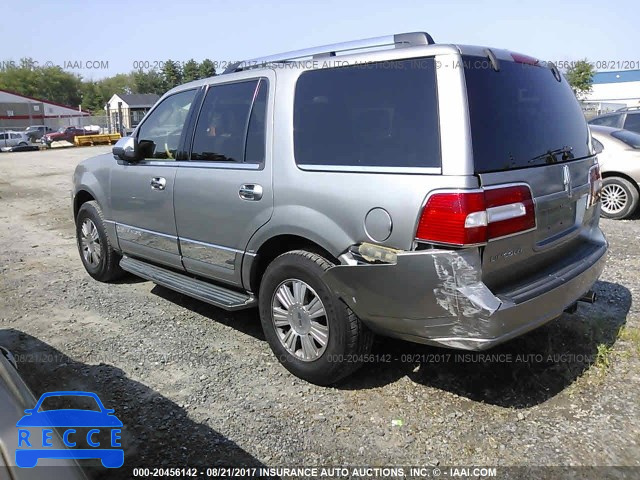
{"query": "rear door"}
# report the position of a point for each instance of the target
(223, 194)
(527, 128)
(142, 192)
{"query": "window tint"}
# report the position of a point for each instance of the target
(254, 151)
(159, 135)
(632, 122)
(224, 125)
(519, 114)
(380, 115)
(607, 121)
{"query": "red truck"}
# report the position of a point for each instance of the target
(65, 133)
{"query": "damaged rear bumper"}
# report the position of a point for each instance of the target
(438, 297)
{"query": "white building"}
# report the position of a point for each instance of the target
(19, 111)
(613, 90)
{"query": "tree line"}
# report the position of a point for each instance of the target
(54, 84)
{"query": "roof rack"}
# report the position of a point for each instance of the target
(398, 40)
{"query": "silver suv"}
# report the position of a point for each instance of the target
(443, 194)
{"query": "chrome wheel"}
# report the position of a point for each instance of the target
(300, 320)
(614, 198)
(90, 243)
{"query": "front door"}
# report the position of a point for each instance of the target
(142, 191)
(223, 193)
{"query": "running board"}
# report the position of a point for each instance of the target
(207, 292)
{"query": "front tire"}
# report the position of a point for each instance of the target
(313, 334)
(99, 258)
(619, 198)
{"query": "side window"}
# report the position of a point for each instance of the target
(159, 135)
(230, 120)
(373, 115)
(597, 145)
(608, 121)
(632, 122)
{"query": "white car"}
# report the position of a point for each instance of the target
(619, 156)
(13, 139)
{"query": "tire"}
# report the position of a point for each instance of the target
(348, 339)
(619, 198)
(99, 258)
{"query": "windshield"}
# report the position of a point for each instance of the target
(521, 116)
(630, 138)
(62, 130)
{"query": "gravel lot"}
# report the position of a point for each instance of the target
(195, 385)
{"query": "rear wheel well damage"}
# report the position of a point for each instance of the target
(275, 247)
(81, 197)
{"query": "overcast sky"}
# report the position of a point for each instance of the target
(128, 34)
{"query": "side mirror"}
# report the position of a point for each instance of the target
(126, 149)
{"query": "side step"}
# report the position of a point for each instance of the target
(207, 292)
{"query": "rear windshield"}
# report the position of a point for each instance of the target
(630, 138)
(520, 114)
(369, 115)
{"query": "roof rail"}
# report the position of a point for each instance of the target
(626, 109)
(398, 40)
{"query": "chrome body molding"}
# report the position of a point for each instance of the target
(148, 238)
(205, 252)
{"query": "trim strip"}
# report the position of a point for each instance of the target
(371, 169)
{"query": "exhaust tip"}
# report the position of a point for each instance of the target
(589, 297)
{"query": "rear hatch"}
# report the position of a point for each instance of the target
(528, 129)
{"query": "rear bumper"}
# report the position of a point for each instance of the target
(437, 296)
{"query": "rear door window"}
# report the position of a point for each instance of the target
(231, 124)
(370, 115)
(520, 115)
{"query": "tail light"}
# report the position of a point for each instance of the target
(477, 216)
(595, 185)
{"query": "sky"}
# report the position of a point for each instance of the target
(97, 40)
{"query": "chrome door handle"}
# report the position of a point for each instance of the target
(158, 183)
(250, 191)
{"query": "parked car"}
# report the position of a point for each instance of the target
(619, 156)
(15, 398)
(627, 118)
(443, 194)
(64, 133)
(12, 139)
(35, 132)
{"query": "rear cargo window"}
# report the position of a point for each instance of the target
(371, 115)
(520, 114)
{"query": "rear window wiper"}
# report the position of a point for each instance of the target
(550, 155)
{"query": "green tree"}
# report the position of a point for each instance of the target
(92, 98)
(148, 82)
(190, 71)
(206, 69)
(48, 83)
(172, 74)
(580, 77)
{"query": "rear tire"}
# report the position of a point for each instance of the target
(99, 258)
(619, 198)
(316, 337)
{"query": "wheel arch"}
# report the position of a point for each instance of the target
(275, 246)
(621, 175)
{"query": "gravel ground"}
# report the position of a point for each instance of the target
(195, 385)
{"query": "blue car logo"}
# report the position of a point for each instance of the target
(34, 445)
